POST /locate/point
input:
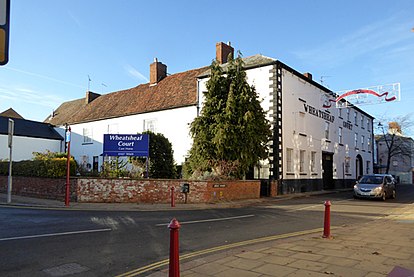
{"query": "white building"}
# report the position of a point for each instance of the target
(315, 145)
(29, 136)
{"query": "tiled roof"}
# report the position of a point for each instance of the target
(177, 90)
(28, 128)
(249, 62)
(11, 113)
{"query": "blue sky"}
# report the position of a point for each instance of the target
(56, 45)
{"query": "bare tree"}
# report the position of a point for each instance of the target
(397, 145)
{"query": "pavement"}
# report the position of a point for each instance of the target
(380, 247)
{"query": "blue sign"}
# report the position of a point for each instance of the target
(126, 145)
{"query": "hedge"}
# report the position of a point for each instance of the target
(51, 168)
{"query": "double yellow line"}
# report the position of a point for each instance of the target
(165, 262)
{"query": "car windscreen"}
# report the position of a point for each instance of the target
(371, 180)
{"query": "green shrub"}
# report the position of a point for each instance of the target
(53, 168)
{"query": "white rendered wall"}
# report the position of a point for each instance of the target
(305, 131)
(23, 147)
(173, 124)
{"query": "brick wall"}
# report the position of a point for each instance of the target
(132, 190)
(159, 191)
(48, 188)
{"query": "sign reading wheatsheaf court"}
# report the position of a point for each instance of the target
(126, 145)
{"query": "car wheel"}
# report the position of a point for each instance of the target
(394, 194)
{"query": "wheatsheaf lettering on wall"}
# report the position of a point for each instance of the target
(130, 137)
(319, 113)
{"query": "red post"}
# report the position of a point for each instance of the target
(172, 197)
(68, 169)
(327, 220)
(174, 269)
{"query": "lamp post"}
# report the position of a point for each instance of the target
(68, 135)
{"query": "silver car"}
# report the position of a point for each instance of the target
(381, 186)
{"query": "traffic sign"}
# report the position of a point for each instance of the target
(4, 31)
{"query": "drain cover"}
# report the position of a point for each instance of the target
(66, 269)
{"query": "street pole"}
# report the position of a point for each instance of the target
(10, 142)
(68, 169)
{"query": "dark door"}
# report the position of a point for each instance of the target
(327, 167)
(95, 163)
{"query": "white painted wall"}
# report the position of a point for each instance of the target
(173, 124)
(23, 147)
(305, 131)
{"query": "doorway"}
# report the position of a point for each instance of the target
(359, 167)
(327, 168)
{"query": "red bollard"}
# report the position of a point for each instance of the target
(172, 197)
(327, 221)
(174, 270)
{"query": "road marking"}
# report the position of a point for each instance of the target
(208, 220)
(56, 234)
(165, 262)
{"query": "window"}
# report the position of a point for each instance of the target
(113, 128)
(340, 112)
(348, 111)
(356, 140)
(87, 135)
(368, 124)
(289, 160)
(150, 125)
(356, 118)
(347, 165)
(326, 130)
(312, 161)
(368, 167)
(362, 142)
(340, 135)
(369, 142)
(302, 161)
(362, 121)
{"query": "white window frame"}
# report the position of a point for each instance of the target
(302, 156)
(289, 160)
(150, 125)
(327, 130)
(87, 135)
(356, 140)
(362, 142)
(340, 135)
(313, 161)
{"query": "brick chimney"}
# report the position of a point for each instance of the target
(158, 71)
(223, 51)
(308, 75)
(90, 96)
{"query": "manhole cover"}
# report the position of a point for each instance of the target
(66, 269)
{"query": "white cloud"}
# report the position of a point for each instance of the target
(29, 96)
(374, 39)
(44, 77)
(135, 73)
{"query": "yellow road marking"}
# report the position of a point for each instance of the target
(165, 262)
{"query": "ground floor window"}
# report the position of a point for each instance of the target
(289, 160)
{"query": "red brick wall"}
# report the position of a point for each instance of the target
(49, 188)
(159, 191)
(133, 190)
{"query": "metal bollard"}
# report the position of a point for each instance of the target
(327, 220)
(174, 269)
(172, 197)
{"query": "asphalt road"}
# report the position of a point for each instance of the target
(35, 242)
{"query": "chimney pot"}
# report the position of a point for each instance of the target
(223, 51)
(308, 75)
